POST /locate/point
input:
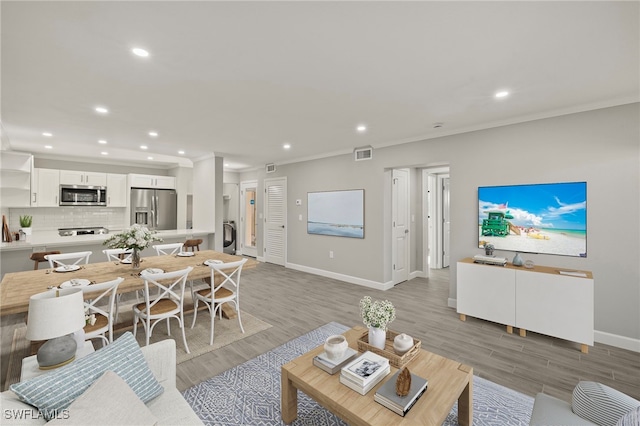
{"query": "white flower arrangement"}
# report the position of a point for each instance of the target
(136, 237)
(377, 314)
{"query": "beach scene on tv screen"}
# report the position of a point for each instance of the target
(540, 218)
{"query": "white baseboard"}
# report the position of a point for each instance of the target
(598, 336)
(260, 259)
(417, 274)
(617, 341)
(341, 277)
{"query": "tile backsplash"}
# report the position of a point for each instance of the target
(52, 218)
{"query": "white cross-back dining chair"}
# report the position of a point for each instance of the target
(167, 304)
(171, 248)
(68, 259)
(102, 305)
(118, 254)
(226, 290)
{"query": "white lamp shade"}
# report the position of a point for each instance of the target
(55, 313)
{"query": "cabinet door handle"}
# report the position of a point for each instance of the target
(35, 195)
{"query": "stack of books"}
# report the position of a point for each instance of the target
(388, 397)
(364, 372)
(332, 366)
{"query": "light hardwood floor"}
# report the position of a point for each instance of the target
(296, 302)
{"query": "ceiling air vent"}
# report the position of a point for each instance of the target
(364, 153)
(270, 168)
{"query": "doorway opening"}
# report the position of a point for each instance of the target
(435, 218)
(248, 219)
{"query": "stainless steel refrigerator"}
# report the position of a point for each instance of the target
(157, 209)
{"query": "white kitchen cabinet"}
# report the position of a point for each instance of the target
(150, 181)
(45, 186)
(15, 179)
(73, 177)
(116, 190)
(541, 299)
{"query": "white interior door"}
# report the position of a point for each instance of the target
(275, 220)
(400, 218)
(248, 227)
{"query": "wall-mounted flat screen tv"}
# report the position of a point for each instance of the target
(548, 218)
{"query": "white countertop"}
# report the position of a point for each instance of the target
(53, 239)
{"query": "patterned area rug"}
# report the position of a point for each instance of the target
(249, 394)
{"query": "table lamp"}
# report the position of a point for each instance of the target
(54, 315)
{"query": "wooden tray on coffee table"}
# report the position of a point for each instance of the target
(395, 360)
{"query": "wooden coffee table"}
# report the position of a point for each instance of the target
(449, 381)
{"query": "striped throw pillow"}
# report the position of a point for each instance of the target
(53, 392)
(601, 404)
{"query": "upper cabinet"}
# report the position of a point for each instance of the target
(149, 181)
(15, 179)
(72, 177)
(116, 190)
(45, 184)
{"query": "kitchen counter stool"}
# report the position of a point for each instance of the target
(38, 257)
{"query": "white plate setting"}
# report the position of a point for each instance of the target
(81, 282)
(127, 260)
(186, 254)
(67, 268)
(153, 271)
(213, 262)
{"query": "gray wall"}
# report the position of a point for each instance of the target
(600, 147)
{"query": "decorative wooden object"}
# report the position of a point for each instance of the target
(403, 383)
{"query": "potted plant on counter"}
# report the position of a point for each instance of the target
(25, 224)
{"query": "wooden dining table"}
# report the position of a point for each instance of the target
(17, 287)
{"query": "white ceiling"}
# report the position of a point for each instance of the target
(240, 79)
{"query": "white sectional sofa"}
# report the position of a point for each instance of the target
(169, 408)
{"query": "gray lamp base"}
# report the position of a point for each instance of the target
(57, 352)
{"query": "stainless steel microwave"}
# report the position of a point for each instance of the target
(83, 195)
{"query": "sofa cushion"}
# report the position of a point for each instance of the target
(549, 410)
(600, 403)
(108, 401)
(55, 391)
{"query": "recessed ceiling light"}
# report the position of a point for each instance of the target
(102, 142)
(361, 128)
(140, 52)
(102, 110)
(47, 134)
(48, 146)
(153, 134)
(143, 147)
(226, 164)
(286, 146)
(149, 158)
(502, 94)
(104, 153)
(181, 152)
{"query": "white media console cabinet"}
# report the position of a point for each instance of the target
(543, 299)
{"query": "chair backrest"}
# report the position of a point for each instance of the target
(229, 274)
(167, 248)
(65, 259)
(117, 254)
(107, 289)
(169, 284)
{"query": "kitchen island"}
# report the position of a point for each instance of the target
(14, 256)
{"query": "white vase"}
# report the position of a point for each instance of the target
(336, 346)
(377, 337)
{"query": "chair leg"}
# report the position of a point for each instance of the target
(184, 336)
(239, 320)
(135, 324)
(195, 311)
(168, 328)
(213, 317)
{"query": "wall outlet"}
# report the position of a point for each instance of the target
(300, 217)
(330, 254)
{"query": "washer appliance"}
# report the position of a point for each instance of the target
(229, 237)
